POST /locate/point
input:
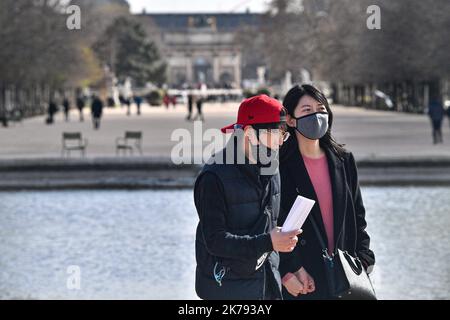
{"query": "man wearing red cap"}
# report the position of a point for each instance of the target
(237, 196)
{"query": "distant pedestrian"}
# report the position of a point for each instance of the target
(66, 108)
(128, 104)
(199, 104)
(173, 101)
(138, 101)
(436, 114)
(166, 100)
(97, 110)
(110, 102)
(121, 100)
(190, 105)
(80, 107)
(52, 109)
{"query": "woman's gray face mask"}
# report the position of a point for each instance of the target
(313, 126)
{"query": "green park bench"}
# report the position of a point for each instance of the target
(132, 140)
(73, 141)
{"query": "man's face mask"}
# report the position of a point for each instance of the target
(313, 126)
(263, 154)
(266, 158)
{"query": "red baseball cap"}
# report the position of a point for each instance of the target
(257, 110)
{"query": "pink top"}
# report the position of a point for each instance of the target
(320, 178)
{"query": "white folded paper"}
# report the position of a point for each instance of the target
(298, 214)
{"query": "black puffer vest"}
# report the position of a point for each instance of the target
(243, 193)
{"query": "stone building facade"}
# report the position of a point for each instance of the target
(200, 48)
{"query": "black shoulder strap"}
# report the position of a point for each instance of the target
(319, 236)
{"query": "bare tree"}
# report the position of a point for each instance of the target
(331, 39)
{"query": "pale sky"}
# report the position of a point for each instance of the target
(188, 6)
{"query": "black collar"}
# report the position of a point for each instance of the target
(297, 170)
(251, 170)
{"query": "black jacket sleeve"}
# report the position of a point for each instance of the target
(363, 251)
(211, 207)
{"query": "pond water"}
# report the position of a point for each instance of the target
(140, 244)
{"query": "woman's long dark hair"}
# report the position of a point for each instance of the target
(290, 102)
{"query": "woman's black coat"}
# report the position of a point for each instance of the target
(348, 211)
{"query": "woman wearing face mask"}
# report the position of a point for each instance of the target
(315, 166)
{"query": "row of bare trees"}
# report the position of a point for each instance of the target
(40, 54)
(408, 56)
